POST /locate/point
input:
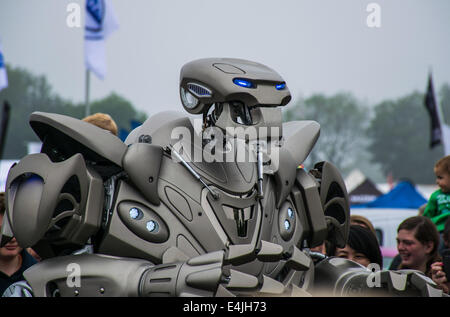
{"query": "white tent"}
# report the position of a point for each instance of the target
(385, 221)
(5, 165)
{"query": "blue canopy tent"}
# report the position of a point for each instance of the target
(404, 195)
(387, 212)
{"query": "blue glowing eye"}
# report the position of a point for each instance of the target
(243, 82)
(280, 86)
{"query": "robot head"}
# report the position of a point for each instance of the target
(234, 88)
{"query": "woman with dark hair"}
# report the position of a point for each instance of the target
(417, 244)
(362, 247)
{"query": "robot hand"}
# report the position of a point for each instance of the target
(210, 274)
(294, 259)
(199, 276)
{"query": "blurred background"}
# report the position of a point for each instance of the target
(364, 83)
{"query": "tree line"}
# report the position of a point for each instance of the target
(389, 138)
(27, 93)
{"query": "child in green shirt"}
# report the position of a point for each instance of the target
(438, 206)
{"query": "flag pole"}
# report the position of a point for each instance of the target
(87, 110)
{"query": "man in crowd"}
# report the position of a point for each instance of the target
(14, 260)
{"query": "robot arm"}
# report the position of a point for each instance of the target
(92, 275)
(205, 275)
(86, 275)
(210, 274)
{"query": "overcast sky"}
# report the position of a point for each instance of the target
(316, 45)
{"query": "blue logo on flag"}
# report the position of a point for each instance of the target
(1, 60)
(96, 8)
(96, 13)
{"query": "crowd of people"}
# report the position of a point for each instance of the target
(421, 240)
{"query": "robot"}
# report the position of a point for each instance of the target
(210, 204)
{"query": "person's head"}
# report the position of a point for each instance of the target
(442, 172)
(11, 249)
(320, 248)
(362, 221)
(102, 120)
(362, 247)
(417, 243)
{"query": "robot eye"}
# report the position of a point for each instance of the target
(199, 90)
(189, 101)
(243, 83)
(280, 86)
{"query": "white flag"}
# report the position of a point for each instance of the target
(99, 24)
(3, 75)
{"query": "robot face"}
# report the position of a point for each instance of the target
(224, 80)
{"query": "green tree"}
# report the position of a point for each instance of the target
(444, 101)
(27, 93)
(343, 122)
(400, 134)
(120, 109)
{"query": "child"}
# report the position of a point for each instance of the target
(13, 259)
(438, 207)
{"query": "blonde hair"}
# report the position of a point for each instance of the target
(364, 222)
(102, 120)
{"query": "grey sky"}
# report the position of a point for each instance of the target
(317, 46)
